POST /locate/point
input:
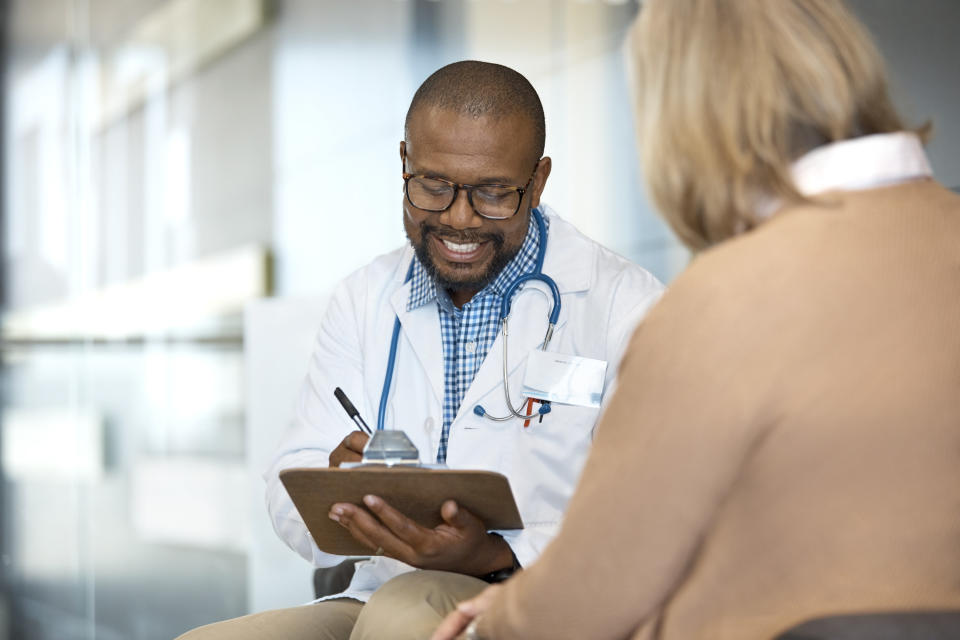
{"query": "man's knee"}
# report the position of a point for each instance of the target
(441, 590)
(329, 620)
(413, 604)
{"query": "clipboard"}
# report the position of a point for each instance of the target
(415, 492)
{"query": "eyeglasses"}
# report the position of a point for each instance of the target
(494, 201)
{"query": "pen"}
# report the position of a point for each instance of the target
(351, 410)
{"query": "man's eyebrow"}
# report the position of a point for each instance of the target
(482, 181)
(431, 174)
(496, 180)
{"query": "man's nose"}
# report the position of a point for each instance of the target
(461, 215)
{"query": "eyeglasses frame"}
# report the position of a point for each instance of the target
(457, 186)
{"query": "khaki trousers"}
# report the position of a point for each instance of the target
(409, 607)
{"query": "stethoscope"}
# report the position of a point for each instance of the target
(478, 410)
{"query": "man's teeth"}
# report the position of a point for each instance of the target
(461, 248)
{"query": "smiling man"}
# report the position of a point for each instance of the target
(462, 251)
(473, 172)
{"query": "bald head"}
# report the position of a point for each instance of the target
(482, 89)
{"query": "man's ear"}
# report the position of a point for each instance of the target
(540, 180)
(403, 155)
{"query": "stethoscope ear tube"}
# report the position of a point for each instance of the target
(504, 316)
(512, 289)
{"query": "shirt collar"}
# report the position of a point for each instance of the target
(862, 163)
(424, 289)
(868, 162)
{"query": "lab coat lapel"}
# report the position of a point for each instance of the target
(421, 329)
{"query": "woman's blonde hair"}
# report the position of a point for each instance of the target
(730, 92)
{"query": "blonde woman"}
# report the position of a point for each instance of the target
(785, 441)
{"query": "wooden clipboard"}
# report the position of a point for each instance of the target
(415, 492)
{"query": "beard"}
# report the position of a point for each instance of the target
(457, 277)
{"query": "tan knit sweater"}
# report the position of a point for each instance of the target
(784, 443)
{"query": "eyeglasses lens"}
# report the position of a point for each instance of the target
(489, 201)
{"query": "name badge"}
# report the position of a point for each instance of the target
(564, 379)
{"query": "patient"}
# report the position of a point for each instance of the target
(785, 441)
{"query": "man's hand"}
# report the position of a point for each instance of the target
(350, 449)
(460, 544)
(457, 620)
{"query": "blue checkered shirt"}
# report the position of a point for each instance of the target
(468, 333)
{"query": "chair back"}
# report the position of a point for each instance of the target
(927, 625)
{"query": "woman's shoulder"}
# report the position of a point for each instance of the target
(746, 269)
(739, 295)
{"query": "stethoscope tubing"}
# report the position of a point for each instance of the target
(391, 362)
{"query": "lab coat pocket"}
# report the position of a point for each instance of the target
(546, 458)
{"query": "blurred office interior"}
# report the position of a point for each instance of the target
(183, 183)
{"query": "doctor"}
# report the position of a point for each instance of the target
(473, 173)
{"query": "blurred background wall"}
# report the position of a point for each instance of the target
(183, 181)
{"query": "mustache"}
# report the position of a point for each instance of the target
(460, 237)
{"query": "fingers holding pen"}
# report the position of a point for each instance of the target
(350, 449)
(356, 441)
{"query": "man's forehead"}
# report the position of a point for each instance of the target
(429, 122)
(441, 131)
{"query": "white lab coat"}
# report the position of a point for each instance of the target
(603, 297)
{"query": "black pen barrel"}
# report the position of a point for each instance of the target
(351, 410)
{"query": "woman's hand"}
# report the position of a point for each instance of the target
(458, 620)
